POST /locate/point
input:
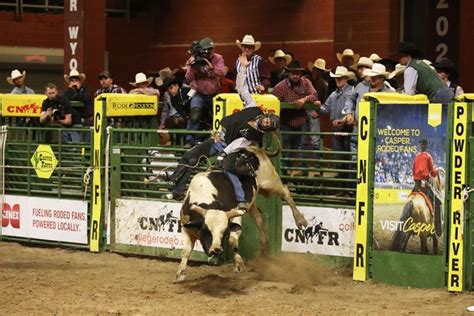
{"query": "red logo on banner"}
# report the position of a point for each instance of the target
(11, 215)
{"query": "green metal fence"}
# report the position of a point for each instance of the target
(67, 180)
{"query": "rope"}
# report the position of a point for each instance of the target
(107, 158)
(86, 180)
(466, 192)
(4, 133)
(156, 178)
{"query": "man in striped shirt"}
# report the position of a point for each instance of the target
(258, 75)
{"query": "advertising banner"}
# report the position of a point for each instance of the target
(24, 105)
(130, 104)
(45, 218)
(330, 231)
(149, 223)
(409, 180)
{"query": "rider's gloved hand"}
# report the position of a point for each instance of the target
(220, 160)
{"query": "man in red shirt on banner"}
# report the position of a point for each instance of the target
(423, 170)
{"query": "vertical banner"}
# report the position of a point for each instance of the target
(362, 200)
(73, 35)
(458, 182)
(409, 181)
(97, 196)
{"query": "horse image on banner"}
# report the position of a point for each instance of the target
(419, 218)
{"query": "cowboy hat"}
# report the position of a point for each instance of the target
(295, 65)
(348, 52)
(14, 75)
(398, 70)
(407, 48)
(75, 74)
(105, 74)
(318, 64)
(140, 78)
(280, 54)
(342, 71)
(163, 74)
(249, 40)
(168, 81)
(447, 66)
(364, 62)
(375, 57)
(376, 70)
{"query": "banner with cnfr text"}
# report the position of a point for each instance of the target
(23, 105)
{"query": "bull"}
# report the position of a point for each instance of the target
(208, 213)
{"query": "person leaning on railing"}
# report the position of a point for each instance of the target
(17, 79)
(56, 110)
(76, 91)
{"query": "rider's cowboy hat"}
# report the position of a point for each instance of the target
(348, 52)
(342, 71)
(141, 78)
(249, 40)
(376, 70)
(74, 74)
(15, 75)
(318, 64)
(163, 74)
(280, 54)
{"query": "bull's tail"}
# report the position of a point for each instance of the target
(277, 151)
(400, 237)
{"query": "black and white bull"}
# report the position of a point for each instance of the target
(208, 213)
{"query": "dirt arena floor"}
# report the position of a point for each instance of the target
(66, 282)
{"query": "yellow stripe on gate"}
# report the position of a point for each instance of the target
(96, 193)
(456, 209)
(362, 201)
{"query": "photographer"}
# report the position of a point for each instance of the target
(57, 111)
(76, 91)
(204, 70)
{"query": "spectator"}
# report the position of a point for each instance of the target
(204, 73)
(347, 59)
(162, 75)
(397, 77)
(176, 104)
(107, 83)
(377, 76)
(280, 60)
(17, 79)
(298, 90)
(419, 77)
(363, 64)
(448, 73)
(57, 111)
(258, 76)
(76, 91)
(318, 69)
(333, 106)
(142, 85)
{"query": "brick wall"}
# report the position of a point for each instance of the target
(365, 27)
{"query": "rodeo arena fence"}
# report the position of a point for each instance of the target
(105, 192)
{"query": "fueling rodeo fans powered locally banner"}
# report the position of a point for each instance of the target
(410, 159)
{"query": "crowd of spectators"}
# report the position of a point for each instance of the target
(187, 92)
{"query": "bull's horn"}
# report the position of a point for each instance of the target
(198, 209)
(234, 213)
(278, 146)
